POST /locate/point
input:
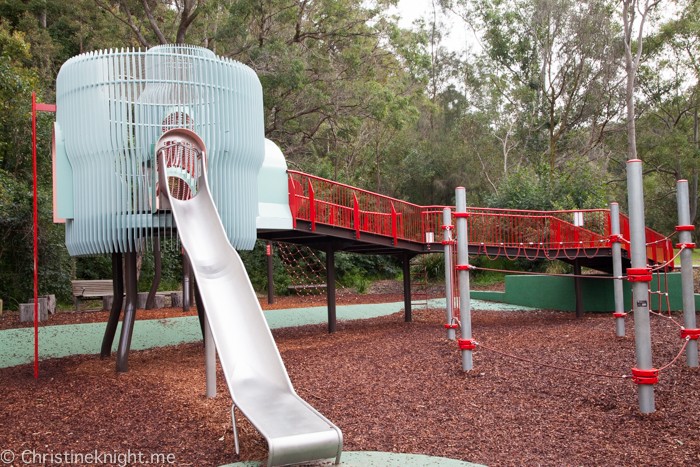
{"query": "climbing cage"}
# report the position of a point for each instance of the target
(113, 106)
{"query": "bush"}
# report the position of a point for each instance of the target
(17, 246)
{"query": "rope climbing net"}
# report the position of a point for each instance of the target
(307, 272)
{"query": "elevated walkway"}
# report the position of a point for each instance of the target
(350, 219)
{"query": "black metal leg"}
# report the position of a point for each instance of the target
(118, 299)
(156, 275)
(330, 287)
(129, 313)
(270, 275)
(578, 289)
(407, 287)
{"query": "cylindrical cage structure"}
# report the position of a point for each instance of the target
(113, 106)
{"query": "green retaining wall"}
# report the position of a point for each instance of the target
(557, 293)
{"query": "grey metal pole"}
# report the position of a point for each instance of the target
(617, 270)
(185, 282)
(691, 350)
(209, 358)
(466, 344)
(447, 237)
(640, 288)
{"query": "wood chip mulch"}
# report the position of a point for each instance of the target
(389, 386)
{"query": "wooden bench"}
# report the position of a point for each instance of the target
(90, 289)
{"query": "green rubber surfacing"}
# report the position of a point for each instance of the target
(377, 459)
(17, 345)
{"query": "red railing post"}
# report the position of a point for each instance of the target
(356, 215)
(393, 222)
(293, 201)
(312, 207)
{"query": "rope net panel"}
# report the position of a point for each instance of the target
(307, 272)
(419, 282)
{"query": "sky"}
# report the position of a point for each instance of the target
(459, 33)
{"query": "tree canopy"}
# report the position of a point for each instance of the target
(533, 116)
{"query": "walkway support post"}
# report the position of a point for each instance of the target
(617, 270)
(129, 312)
(270, 275)
(684, 238)
(640, 277)
(117, 302)
(466, 343)
(150, 301)
(449, 270)
(408, 317)
(578, 288)
(330, 287)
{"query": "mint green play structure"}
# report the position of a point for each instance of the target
(112, 106)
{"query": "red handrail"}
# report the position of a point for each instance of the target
(322, 201)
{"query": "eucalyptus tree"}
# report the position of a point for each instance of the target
(553, 65)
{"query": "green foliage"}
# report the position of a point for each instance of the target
(17, 251)
(577, 187)
(255, 262)
(531, 120)
(16, 199)
(171, 268)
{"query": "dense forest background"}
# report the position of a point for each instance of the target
(534, 117)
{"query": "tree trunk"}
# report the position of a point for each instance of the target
(629, 99)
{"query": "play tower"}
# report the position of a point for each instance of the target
(169, 142)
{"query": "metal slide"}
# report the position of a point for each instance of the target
(254, 371)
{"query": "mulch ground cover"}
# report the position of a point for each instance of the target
(389, 386)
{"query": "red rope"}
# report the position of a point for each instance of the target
(505, 251)
(552, 366)
(668, 317)
(665, 265)
(659, 241)
(594, 254)
(578, 248)
(486, 253)
(537, 250)
(555, 255)
(677, 356)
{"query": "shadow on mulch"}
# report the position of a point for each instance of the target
(390, 386)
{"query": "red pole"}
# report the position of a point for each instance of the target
(36, 250)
